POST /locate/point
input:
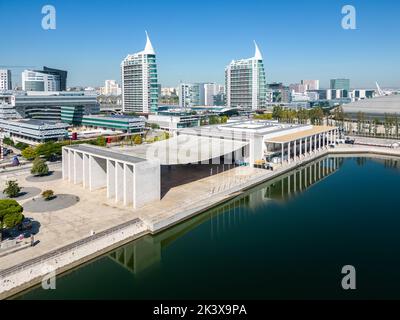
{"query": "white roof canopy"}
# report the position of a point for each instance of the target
(185, 149)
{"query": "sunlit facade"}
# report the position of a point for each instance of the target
(245, 82)
(139, 81)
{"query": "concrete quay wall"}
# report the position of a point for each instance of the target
(18, 278)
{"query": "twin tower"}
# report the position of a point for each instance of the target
(245, 81)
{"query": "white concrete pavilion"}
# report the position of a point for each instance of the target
(296, 146)
(128, 179)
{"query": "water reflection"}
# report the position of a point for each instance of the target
(139, 255)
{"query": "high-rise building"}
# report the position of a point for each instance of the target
(139, 81)
(45, 80)
(62, 76)
(111, 88)
(210, 91)
(245, 82)
(310, 84)
(5, 79)
(191, 94)
(341, 84)
(298, 87)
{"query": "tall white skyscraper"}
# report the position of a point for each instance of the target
(139, 81)
(245, 82)
(5, 79)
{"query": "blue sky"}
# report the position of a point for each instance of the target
(195, 40)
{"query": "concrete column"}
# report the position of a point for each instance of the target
(86, 170)
(128, 184)
(78, 164)
(71, 166)
(119, 181)
(295, 151)
(97, 173)
(64, 163)
(319, 142)
(288, 152)
(110, 179)
(282, 147)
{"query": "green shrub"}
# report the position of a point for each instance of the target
(48, 194)
(137, 139)
(21, 146)
(8, 141)
(12, 189)
(39, 167)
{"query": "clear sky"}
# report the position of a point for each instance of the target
(195, 40)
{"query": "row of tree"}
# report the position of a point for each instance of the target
(314, 116)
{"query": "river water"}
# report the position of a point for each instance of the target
(287, 238)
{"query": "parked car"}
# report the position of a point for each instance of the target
(349, 141)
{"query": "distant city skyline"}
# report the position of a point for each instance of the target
(196, 47)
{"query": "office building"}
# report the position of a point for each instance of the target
(61, 74)
(56, 106)
(341, 84)
(310, 84)
(46, 80)
(245, 82)
(298, 88)
(211, 90)
(111, 88)
(34, 131)
(5, 80)
(115, 122)
(191, 94)
(139, 81)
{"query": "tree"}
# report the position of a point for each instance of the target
(29, 153)
(39, 167)
(12, 189)
(101, 141)
(8, 141)
(137, 139)
(21, 145)
(214, 120)
(10, 214)
(224, 119)
(48, 195)
(48, 149)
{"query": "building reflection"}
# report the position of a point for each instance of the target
(139, 255)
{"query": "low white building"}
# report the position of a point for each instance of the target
(34, 131)
(131, 180)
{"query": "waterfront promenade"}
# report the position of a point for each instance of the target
(66, 228)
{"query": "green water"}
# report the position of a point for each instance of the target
(288, 238)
